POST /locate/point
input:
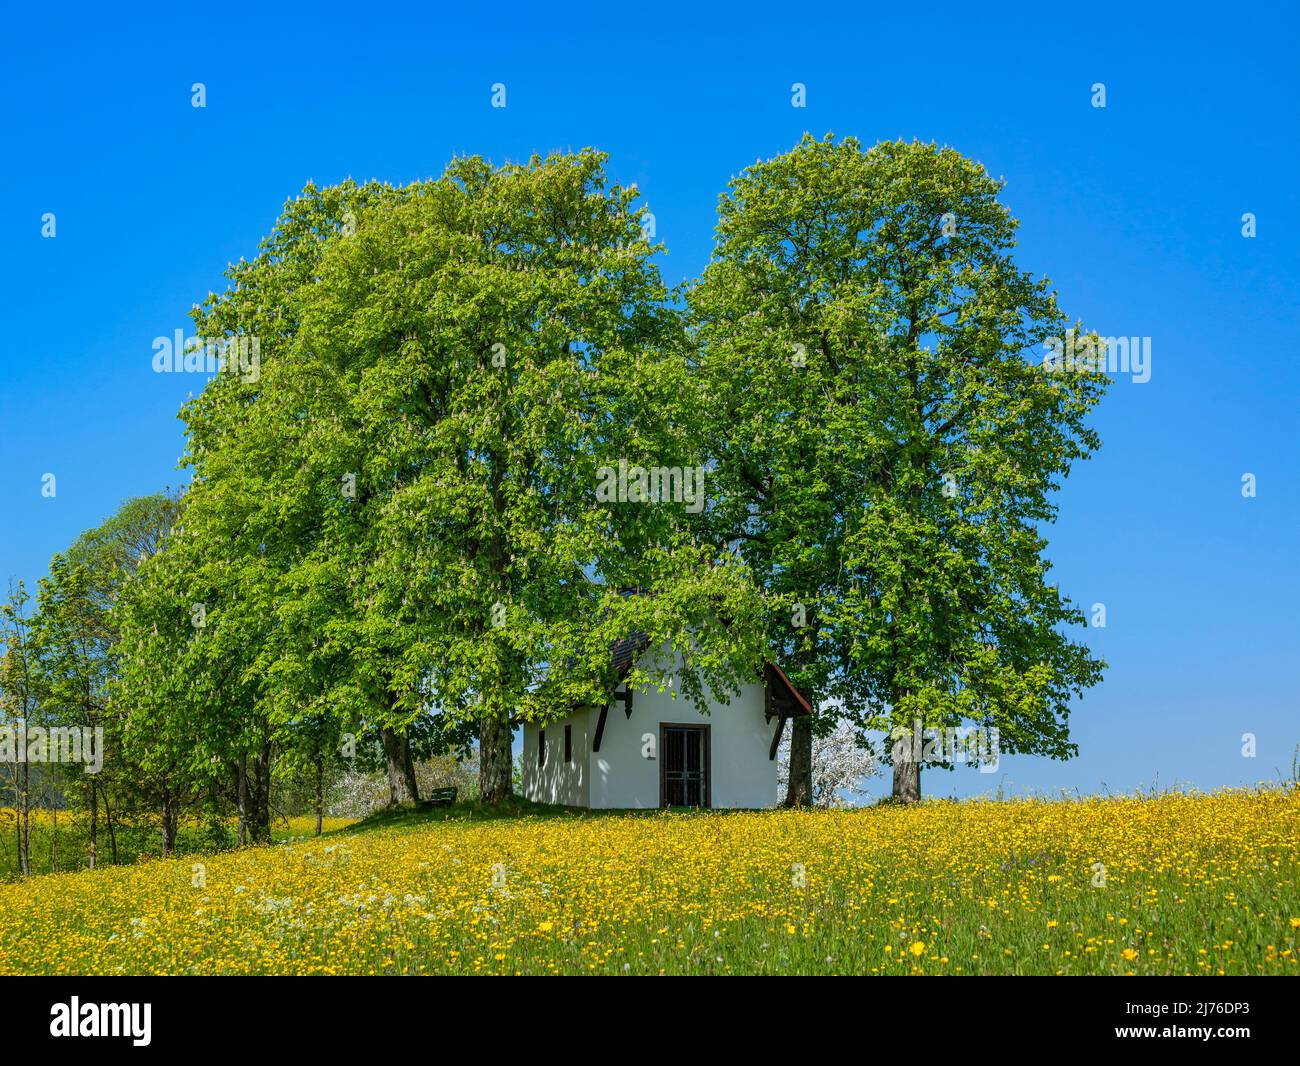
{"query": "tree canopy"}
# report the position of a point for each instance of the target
(887, 443)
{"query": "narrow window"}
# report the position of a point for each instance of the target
(568, 743)
(541, 748)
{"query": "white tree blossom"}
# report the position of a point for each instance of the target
(840, 766)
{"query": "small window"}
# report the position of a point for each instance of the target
(568, 743)
(541, 748)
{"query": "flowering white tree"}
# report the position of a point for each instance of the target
(840, 765)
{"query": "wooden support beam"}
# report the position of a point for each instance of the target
(600, 728)
(776, 738)
(626, 697)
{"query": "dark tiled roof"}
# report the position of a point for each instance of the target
(625, 651)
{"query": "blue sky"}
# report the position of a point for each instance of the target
(1134, 211)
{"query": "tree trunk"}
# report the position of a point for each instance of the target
(402, 787)
(907, 751)
(798, 786)
(241, 801)
(320, 793)
(907, 777)
(798, 789)
(168, 822)
(408, 769)
(260, 822)
(92, 801)
(24, 820)
(18, 824)
(112, 833)
(495, 762)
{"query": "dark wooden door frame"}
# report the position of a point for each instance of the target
(706, 759)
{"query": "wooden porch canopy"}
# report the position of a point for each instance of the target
(781, 700)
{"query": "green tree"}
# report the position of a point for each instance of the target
(74, 642)
(395, 509)
(469, 361)
(265, 551)
(19, 704)
(197, 630)
(887, 441)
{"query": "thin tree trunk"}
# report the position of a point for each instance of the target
(798, 789)
(24, 824)
(320, 793)
(112, 833)
(241, 800)
(92, 802)
(495, 762)
(168, 822)
(261, 827)
(18, 824)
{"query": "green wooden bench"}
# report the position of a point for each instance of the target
(441, 797)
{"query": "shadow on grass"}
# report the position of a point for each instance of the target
(416, 814)
(410, 815)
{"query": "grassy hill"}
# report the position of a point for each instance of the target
(1176, 883)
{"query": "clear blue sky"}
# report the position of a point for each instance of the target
(1134, 211)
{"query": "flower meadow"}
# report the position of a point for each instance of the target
(64, 836)
(1169, 884)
